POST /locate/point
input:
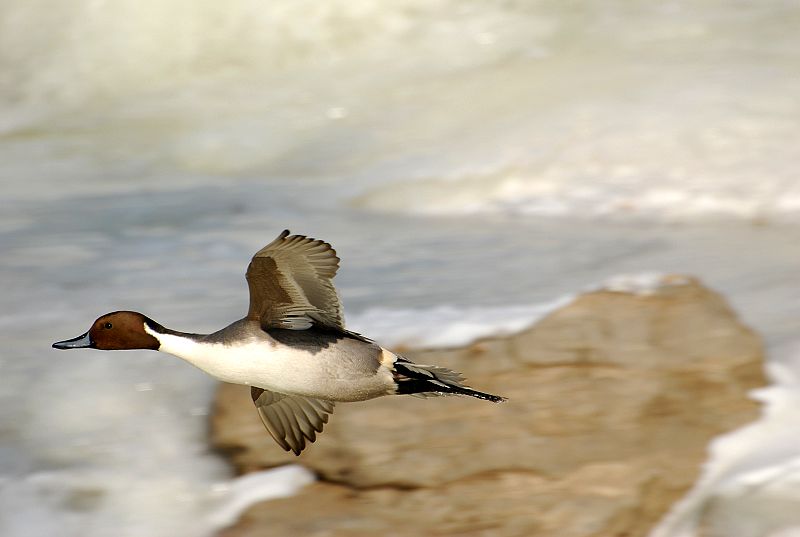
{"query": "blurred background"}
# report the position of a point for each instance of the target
(471, 162)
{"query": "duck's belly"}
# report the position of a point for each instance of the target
(351, 374)
(347, 370)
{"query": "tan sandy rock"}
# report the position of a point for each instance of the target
(613, 399)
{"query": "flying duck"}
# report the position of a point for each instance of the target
(292, 348)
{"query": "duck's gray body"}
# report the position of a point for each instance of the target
(316, 362)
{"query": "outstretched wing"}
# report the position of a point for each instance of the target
(291, 419)
(290, 284)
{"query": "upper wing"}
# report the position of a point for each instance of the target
(290, 284)
(291, 419)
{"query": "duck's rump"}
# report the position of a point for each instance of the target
(330, 365)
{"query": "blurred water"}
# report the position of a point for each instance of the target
(461, 156)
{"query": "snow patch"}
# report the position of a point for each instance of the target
(244, 491)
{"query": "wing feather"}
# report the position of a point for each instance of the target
(291, 419)
(290, 284)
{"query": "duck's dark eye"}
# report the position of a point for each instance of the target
(107, 326)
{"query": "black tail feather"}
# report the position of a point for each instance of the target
(413, 379)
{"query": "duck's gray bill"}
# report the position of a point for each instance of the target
(80, 342)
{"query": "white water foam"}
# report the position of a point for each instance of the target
(447, 326)
(642, 283)
(83, 52)
(750, 485)
(591, 180)
(246, 490)
(678, 112)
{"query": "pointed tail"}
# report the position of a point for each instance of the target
(431, 381)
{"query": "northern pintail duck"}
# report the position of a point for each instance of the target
(292, 348)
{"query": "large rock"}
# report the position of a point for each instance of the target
(612, 400)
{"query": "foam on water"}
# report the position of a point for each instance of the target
(681, 199)
(244, 491)
(447, 326)
(675, 112)
(643, 283)
(750, 486)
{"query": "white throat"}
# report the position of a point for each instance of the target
(196, 353)
(229, 363)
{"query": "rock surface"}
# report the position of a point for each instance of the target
(612, 401)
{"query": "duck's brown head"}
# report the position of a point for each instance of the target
(119, 330)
